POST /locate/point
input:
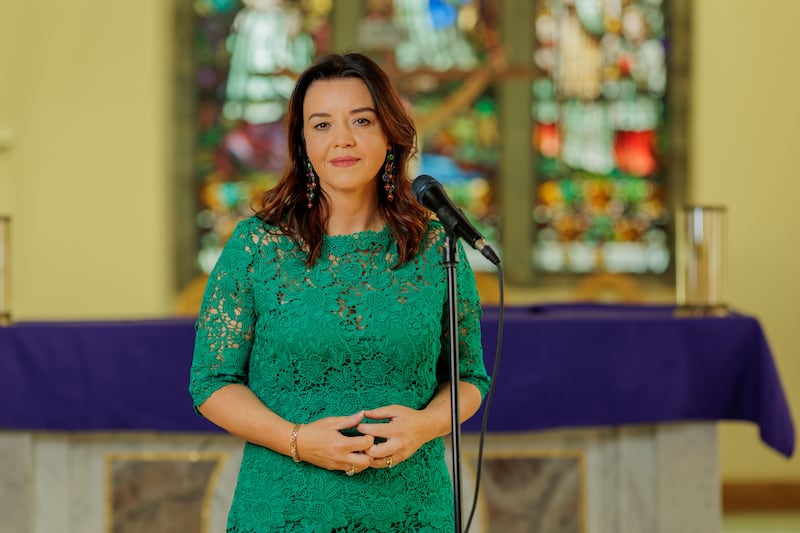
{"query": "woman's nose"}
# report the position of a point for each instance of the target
(344, 136)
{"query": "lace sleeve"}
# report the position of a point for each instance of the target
(224, 328)
(470, 350)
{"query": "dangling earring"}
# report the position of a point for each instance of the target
(311, 183)
(388, 175)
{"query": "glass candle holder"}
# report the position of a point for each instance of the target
(701, 261)
(5, 277)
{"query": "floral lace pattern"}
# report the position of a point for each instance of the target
(348, 333)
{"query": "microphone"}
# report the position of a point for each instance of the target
(430, 193)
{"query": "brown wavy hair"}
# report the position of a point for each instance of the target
(286, 206)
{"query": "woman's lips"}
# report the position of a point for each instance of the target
(342, 162)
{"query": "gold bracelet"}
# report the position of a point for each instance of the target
(293, 444)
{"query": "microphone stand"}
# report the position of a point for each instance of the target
(450, 260)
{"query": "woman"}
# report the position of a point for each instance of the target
(322, 338)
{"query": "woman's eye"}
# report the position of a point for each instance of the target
(321, 126)
(363, 121)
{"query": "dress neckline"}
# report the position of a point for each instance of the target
(360, 240)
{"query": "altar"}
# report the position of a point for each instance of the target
(603, 421)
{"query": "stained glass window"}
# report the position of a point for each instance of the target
(597, 187)
(438, 53)
(247, 55)
(600, 199)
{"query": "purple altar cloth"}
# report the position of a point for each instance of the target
(568, 365)
(562, 366)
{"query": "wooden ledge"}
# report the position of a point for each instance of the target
(750, 497)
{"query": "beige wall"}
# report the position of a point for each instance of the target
(746, 156)
(85, 97)
(85, 93)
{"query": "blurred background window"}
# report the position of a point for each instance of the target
(599, 137)
(247, 55)
(588, 189)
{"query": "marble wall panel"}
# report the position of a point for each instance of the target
(540, 492)
(15, 482)
(656, 478)
(128, 482)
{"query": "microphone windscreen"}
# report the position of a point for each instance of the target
(421, 185)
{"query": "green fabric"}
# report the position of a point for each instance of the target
(346, 334)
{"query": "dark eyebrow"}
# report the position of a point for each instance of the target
(354, 111)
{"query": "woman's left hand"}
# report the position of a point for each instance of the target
(404, 429)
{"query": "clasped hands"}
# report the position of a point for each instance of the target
(324, 442)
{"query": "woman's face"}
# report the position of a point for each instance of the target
(343, 138)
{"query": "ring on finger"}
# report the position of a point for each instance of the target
(350, 471)
(389, 461)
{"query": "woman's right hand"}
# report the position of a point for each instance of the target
(321, 443)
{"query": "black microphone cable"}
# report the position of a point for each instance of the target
(488, 405)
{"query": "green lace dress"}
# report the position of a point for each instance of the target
(346, 334)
